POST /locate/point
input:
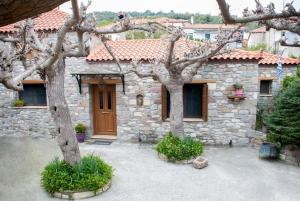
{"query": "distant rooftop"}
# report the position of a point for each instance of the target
(210, 26)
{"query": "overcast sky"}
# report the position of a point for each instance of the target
(192, 6)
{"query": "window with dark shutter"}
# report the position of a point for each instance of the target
(195, 101)
(266, 87)
(34, 95)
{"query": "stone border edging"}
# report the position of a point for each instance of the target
(81, 195)
(164, 158)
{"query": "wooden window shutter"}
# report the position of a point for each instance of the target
(205, 102)
(163, 102)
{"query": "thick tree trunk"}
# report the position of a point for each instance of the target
(60, 113)
(176, 109)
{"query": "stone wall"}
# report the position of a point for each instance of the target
(270, 71)
(226, 120)
(291, 154)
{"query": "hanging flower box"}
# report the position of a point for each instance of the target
(238, 93)
(236, 98)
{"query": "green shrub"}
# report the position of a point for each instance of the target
(284, 122)
(293, 56)
(19, 103)
(287, 81)
(80, 128)
(176, 149)
(298, 71)
(90, 174)
(260, 46)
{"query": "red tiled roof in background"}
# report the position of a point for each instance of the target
(126, 50)
(259, 30)
(49, 21)
(210, 26)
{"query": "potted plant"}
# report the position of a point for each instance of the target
(19, 103)
(80, 129)
(238, 89)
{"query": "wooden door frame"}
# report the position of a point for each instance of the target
(114, 105)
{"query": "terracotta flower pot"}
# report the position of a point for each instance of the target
(80, 137)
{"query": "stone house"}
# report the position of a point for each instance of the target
(271, 38)
(208, 31)
(268, 78)
(124, 107)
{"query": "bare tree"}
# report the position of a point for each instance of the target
(173, 70)
(15, 10)
(288, 19)
(49, 62)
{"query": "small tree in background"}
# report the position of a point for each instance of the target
(284, 122)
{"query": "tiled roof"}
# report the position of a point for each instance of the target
(126, 50)
(49, 21)
(269, 58)
(259, 30)
(130, 49)
(210, 26)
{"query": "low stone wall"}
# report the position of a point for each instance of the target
(291, 154)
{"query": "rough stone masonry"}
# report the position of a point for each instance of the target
(226, 120)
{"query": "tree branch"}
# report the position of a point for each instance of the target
(206, 51)
(229, 19)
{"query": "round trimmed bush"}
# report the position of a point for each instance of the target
(177, 149)
(90, 174)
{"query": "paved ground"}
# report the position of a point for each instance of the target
(233, 174)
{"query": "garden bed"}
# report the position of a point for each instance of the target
(90, 177)
(179, 150)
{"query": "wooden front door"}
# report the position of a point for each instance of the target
(104, 103)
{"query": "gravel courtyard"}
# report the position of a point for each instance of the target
(233, 174)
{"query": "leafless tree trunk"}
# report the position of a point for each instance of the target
(51, 65)
(176, 108)
(60, 112)
(173, 71)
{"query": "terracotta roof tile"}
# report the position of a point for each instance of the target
(155, 48)
(49, 21)
(269, 58)
(126, 50)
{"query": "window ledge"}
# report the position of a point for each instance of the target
(267, 95)
(29, 107)
(189, 120)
